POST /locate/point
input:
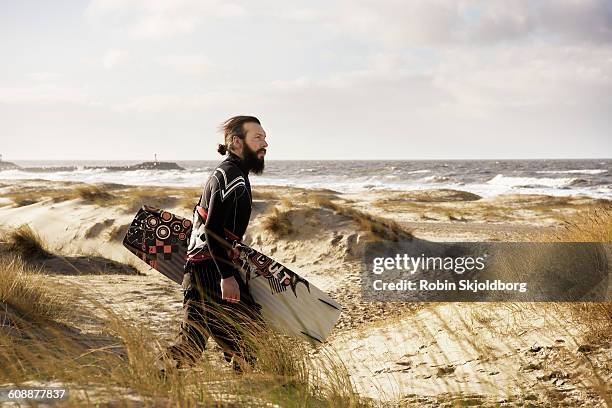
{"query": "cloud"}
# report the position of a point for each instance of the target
(43, 76)
(157, 18)
(553, 53)
(397, 77)
(302, 14)
(112, 58)
(526, 76)
(474, 22)
(186, 64)
(394, 22)
(46, 94)
(195, 102)
(460, 81)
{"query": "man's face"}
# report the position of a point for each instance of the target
(254, 147)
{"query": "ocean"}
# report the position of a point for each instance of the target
(592, 177)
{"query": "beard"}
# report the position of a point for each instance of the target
(251, 161)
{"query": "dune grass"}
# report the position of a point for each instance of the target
(285, 374)
(62, 191)
(93, 194)
(381, 228)
(287, 202)
(23, 201)
(25, 243)
(40, 341)
(278, 223)
(128, 197)
(456, 205)
(593, 225)
(117, 233)
(434, 196)
(24, 291)
(264, 195)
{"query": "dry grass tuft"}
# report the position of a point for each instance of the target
(380, 227)
(595, 317)
(28, 195)
(287, 203)
(162, 197)
(118, 232)
(278, 223)
(189, 199)
(592, 225)
(26, 243)
(23, 291)
(118, 358)
(93, 194)
(453, 217)
(438, 196)
(430, 200)
(21, 201)
(264, 195)
(129, 197)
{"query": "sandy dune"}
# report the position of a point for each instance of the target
(421, 354)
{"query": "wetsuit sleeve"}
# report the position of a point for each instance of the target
(222, 199)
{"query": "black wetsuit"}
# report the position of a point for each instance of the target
(227, 202)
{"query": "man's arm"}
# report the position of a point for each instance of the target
(215, 234)
(222, 198)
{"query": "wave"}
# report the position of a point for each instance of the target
(346, 179)
(536, 182)
(577, 171)
(437, 179)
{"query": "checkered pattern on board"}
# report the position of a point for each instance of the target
(162, 249)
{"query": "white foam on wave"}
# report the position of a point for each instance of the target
(509, 181)
(102, 175)
(499, 184)
(605, 190)
(577, 171)
(436, 179)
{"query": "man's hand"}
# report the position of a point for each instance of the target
(233, 253)
(230, 290)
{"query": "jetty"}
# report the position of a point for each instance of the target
(4, 165)
(139, 166)
(150, 165)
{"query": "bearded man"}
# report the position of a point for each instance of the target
(216, 301)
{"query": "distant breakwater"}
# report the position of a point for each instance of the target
(140, 166)
(8, 165)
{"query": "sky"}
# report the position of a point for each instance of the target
(360, 79)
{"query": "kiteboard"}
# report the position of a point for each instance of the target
(289, 302)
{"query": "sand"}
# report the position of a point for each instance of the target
(417, 353)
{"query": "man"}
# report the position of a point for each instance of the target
(216, 300)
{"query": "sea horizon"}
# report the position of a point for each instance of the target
(486, 177)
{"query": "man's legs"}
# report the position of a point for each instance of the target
(205, 314)
(232, 325)
(191, 340)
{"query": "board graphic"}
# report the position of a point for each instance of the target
(289, 302)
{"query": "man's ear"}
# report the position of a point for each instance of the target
(234, 141)
(237, 143)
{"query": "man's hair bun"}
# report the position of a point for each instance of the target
(222, 149)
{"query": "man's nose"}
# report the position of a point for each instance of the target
(265, 144)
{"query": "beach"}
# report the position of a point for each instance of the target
(416, 354)
(422, 189)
